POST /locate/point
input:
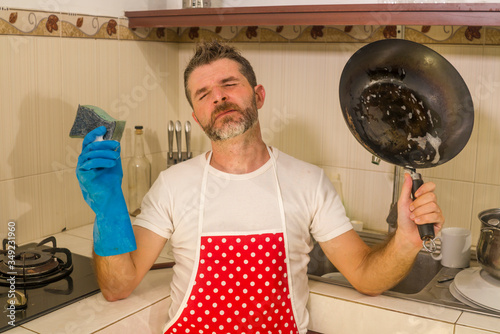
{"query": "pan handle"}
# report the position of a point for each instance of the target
(426, 231)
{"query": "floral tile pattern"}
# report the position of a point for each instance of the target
(13, 22)
(36, 23)
(82, 26)
(472, 35)
(492, 35)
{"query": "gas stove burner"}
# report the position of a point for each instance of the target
(30, 263)
(34, 267)
(50, 289)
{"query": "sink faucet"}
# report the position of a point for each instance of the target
(392, 218)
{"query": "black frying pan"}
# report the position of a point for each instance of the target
(407, 105)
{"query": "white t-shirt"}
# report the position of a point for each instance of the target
(244, 203)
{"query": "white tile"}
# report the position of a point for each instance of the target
(35, 204)
(274, 116)
(77, 212)
(480, 321)
(22, 203)
(455, 200)
(415, 308)
(157, 82)
(52, 202)
(301, 137)
(385, 302)
(84, 231)
(75, 244)
(347, 317)
(488, 159)
(334, 291)
(174, 86)
(337, 176)
(150, 320)
(158, 164)
(79, 87)
(142, 99)
(95, 313)
(7, 114)
(9, 209)
(20, 330)
(367, 197)
(108, 78)
(18, 133)
(469, 330)
(48, 147)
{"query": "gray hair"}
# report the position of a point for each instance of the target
(208, 52)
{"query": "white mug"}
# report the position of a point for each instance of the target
(455, 247)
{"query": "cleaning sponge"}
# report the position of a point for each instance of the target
(90, 117)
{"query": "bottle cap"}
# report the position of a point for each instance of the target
(138, 127)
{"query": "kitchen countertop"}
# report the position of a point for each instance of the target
(400, 314)
(149, 302)
(145, 310)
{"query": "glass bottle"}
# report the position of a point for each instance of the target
(139, 174)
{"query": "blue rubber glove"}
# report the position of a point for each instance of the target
(100, 174)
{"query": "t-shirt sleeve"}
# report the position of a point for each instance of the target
(329, 220)
(155, 213)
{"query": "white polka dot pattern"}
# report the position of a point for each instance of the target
(241, 287)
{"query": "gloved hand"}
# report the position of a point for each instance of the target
(100, 174)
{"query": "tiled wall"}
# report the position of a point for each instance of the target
(43, 79)
(136, 75)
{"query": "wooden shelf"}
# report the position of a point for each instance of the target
(464, 14)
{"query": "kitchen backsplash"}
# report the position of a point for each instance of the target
(51, 62)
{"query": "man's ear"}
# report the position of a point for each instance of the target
(195, 118)
(260, 95)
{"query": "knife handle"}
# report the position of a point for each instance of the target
(170, 140)
(178, 137)
(187, 129)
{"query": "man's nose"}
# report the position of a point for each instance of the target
(219, 95)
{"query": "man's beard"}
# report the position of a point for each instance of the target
(232, 125)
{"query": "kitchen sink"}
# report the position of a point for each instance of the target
(423, 271)
(428, 281)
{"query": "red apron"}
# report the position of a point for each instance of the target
(241, 283)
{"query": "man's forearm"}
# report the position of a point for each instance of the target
(386, 265)
(116, 275)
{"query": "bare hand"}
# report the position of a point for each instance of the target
(423, 210)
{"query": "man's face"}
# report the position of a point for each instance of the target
(224, 103)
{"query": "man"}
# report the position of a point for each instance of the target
(240, 217)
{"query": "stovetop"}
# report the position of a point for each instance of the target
(77, 283)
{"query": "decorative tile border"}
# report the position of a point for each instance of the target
(82, 26)
(14, 22)
(38, 23)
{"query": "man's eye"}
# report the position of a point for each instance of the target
(201, 97)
